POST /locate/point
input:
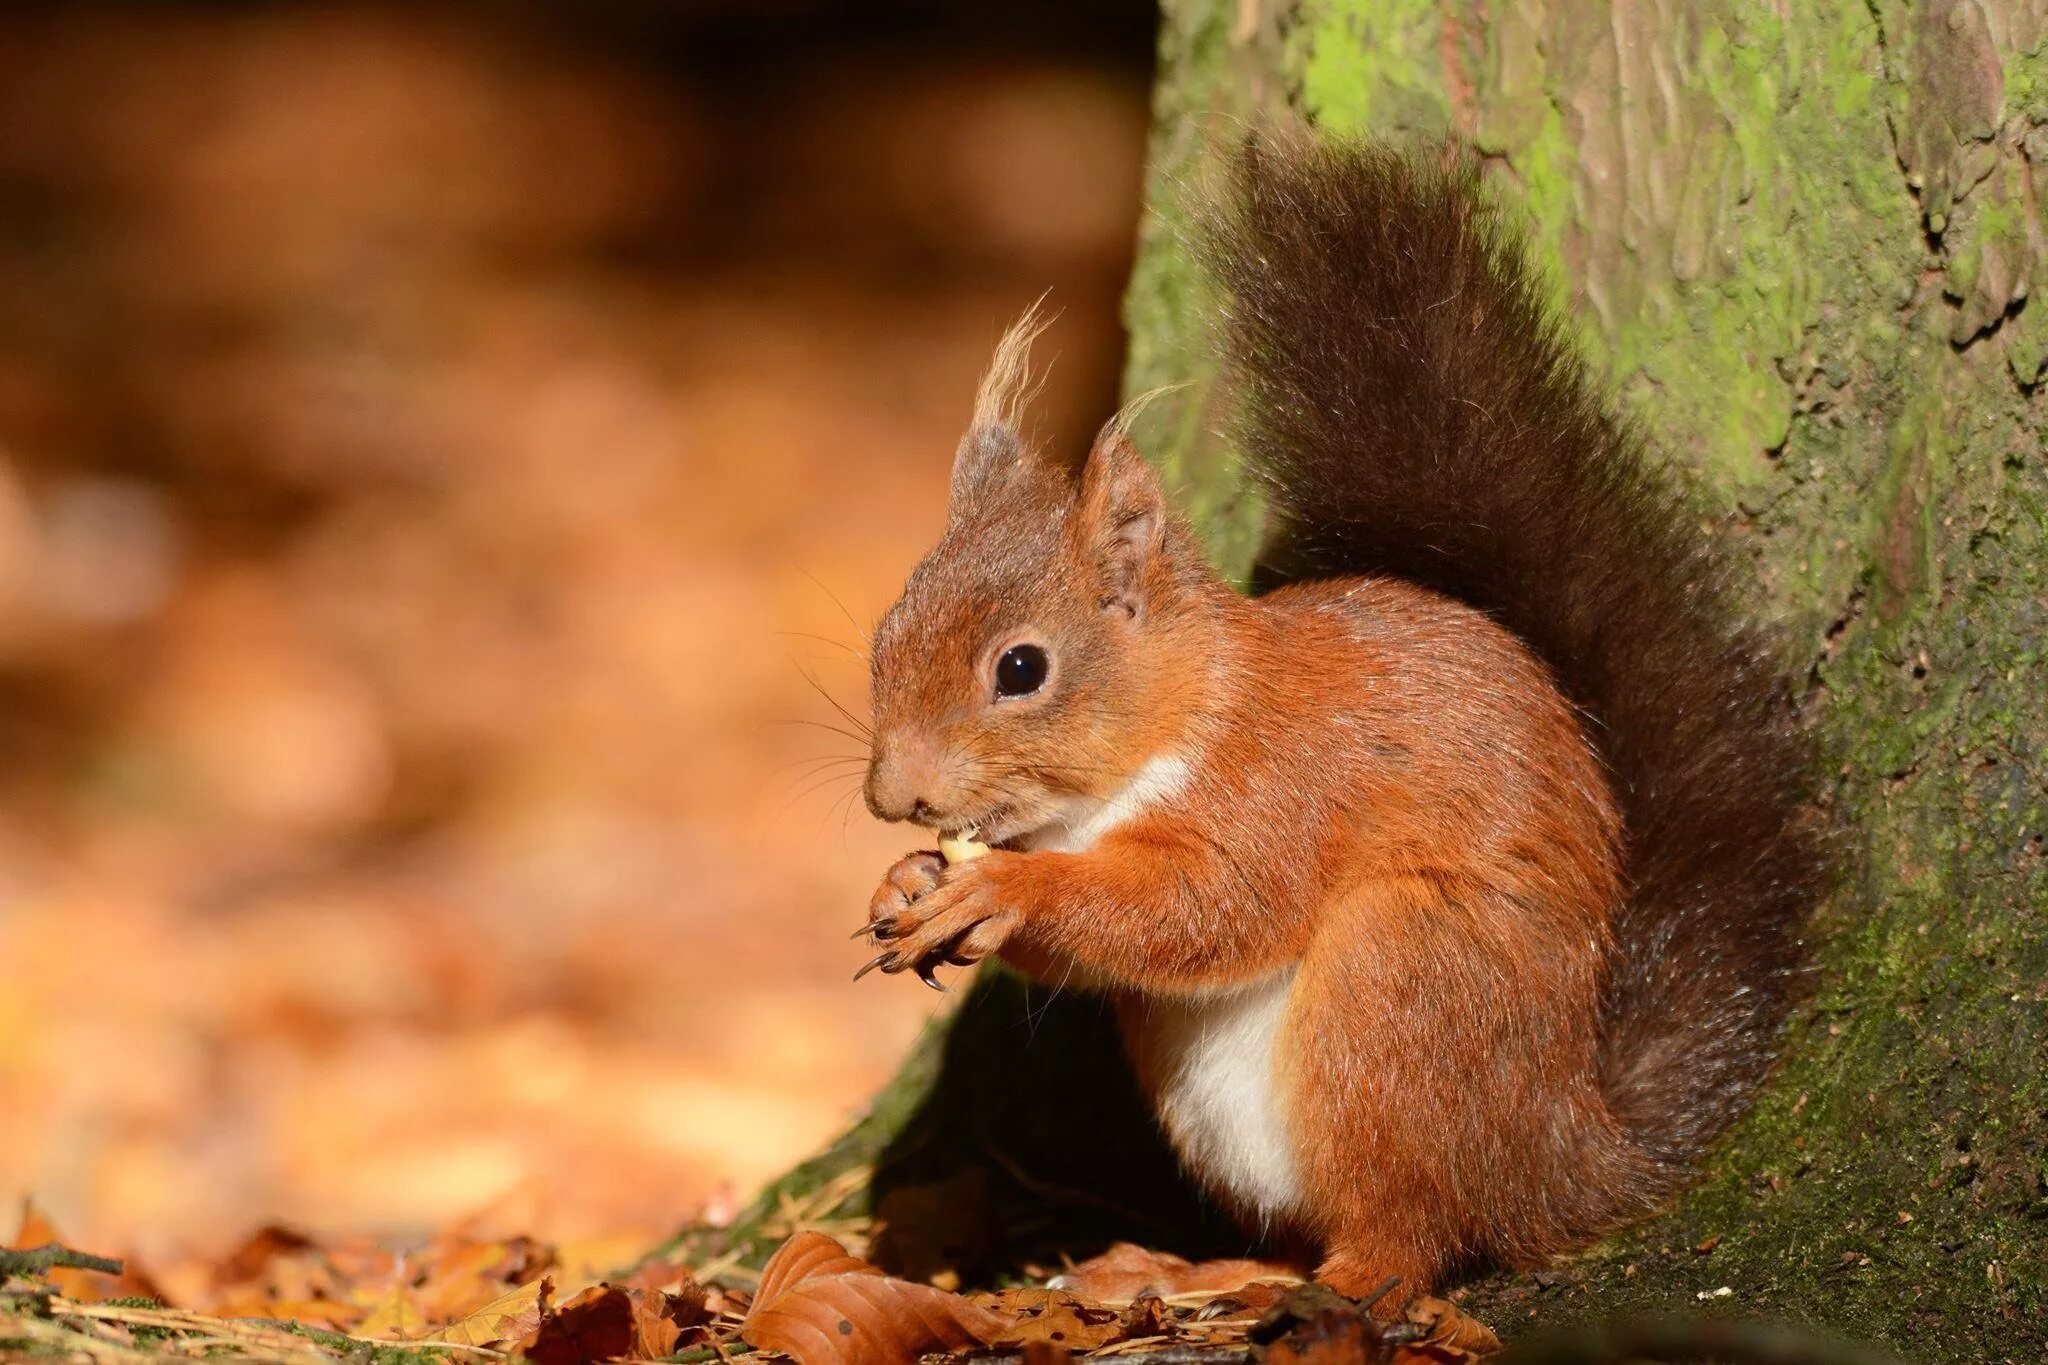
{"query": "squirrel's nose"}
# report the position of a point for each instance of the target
(899, 785)
(889, 800)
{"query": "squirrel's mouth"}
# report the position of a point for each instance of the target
(1012, 829)
(999, 827)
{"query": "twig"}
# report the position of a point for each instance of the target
(247, 1337)
(43, 1259)
(57, 1336)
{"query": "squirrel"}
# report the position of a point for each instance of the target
(1450, 885)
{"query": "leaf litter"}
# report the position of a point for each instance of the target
(288, 1298)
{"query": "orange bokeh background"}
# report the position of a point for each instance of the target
(430, 438)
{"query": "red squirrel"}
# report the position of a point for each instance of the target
(1450, 887)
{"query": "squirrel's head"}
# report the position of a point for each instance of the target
(1041, 651)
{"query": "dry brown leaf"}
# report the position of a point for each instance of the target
(1055, 1316)
(595, 1325)
(464, 1279)
(802, 1257)
(395, 1317)
(823, 1306)
(1146, 1317)
(1315, 1325)
(355, 1261)
(1126, 1272)
(660, 1319)
(1453, 1335)
(253, 1257)
(510, 1317)
(276, 1265)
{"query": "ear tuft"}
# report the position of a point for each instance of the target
(1121, 521)
(994, 439)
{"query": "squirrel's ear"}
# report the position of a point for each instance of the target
(1121, 518)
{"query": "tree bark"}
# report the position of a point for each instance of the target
(1800, 238)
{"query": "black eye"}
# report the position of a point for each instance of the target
(1021, 671)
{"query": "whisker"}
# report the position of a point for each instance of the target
(819, 584)
(821, 784)
(846, 819)
(812, 765)
(864, 739)
(851, 719)
(797, 788)
(825, 640)
(832, 809)
(1068, 770)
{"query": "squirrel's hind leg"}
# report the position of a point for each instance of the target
(1362, 1265)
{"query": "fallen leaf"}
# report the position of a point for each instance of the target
(1054, 1316)
(806, 1255)
(276, 1264)
(464, 1279)
(395, 1317)
(660, 1319)
(823, 1306)
(1126, 1272)
(595, 1325)
(1452, 1334)
(249, 1260)
(1146, 1317)
(360, 1261)
(1315, 1325)
(509, 1317)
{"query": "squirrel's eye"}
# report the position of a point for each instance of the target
(1021, 671)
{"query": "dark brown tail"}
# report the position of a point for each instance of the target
(1417, 409)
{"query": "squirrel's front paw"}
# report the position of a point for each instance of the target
(911, 877)
(925, 917)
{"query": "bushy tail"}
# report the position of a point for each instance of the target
(1407, 392)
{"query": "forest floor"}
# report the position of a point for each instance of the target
(284, 1298)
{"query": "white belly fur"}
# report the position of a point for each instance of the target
(1210, 1057)
(1211, 1060)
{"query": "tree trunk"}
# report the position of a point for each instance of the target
(1801, 238)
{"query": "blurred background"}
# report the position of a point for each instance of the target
(436, 441)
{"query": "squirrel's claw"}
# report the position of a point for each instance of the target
(924, 974)
(873, 963)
